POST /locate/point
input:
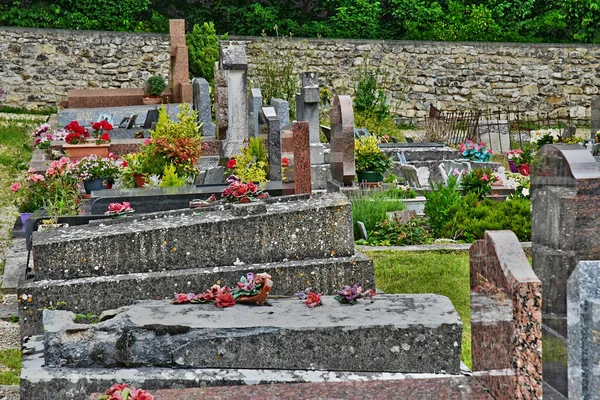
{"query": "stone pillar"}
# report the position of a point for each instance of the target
(343, 167)
(595, 122)
(565, 199)
(234, 63)
(282, 108)
(583, 306)
(254, 104)
(310, 112)
(201, 96)
(179, 79)
(221, 102)
(302, 168)
(269, 115)
(506, 318)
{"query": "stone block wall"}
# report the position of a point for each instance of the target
(39, 66)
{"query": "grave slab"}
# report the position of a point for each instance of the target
(39, 382)
(318, 227)
(326, 275)
(389, 333)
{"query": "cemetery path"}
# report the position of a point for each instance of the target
(9, 393)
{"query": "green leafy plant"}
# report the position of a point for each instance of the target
(88, 318)
(371, 208)
(393, 233)
(203, 48)
(439, 202)
(251, 165)
(156, 85)
(369, 156)
(369, 99)
(185, 126)
(479, 182)
(170, 177)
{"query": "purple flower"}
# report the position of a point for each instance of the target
(233, 179)
(303, 295)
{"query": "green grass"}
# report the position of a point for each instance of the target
(10, 366)
(19, 110)
(444, 273)
(371, 207)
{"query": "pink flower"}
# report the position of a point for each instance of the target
(115, 396)
(147, 141)
(31, 170)
(252, 187)
(15, 186)
(140, 394)
(36, 178)
(50, 172)
(116, 388)
(312, 299)
(485, 177)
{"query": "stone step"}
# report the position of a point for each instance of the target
(39, 382)
(314, 228)
(97, 294)
(388, 333)
(14, 268)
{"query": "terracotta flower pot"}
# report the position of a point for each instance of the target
(139, 179)
(77, 151)
(147, 101)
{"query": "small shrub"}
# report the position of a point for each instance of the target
(252, 164)
(203, 45)
(156, 85)
(393, 233)
(439, 202)
(397, 193)
(369, 156)
(170, 177)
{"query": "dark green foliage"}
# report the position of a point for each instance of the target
(393, 233)
(156, 85)
(203, 48)
(371, 208)
(470, 20)
(369, 99)
(440, 201)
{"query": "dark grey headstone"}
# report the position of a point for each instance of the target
(299, 108)
(254, 104)
(282, 108)
(362, 229)
(201, 97)
(214, 176)
(583, 321)
(274, 145)
(595, 122)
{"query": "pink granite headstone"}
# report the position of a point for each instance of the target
(342, 163)
(180, 84)
(302, 169)
(506, 318)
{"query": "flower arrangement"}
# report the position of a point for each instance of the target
(369, 156)
(119, 209)
(310, 298)
(125, 392)
(77, 133)
(94, 167)
(101, 129)
(251, 164)
(350, 295)
(478, 182)
(220, 295)
(541, 137)
(475, 151)
(42, 136)
(57, 190)
(521, 184)
(240, 192)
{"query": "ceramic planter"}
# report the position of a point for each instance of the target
(147, 101)
(77, 151)
(25, 217)
(369, 176)
(93, 184)
(512, 166)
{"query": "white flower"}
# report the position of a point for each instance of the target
(525, 192)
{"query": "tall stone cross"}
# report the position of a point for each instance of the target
(343, 167)
(180, 81)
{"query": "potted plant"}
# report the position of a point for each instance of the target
(96, 172)
(156, 85)
(521, 160)
(78, 144)
(371, 162)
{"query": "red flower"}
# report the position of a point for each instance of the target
(313, 299)
(252, 187)
(105, 125)
(105, 137)
(225, 299)
(116, 388)
(285, 162)
(96, 126)
(231, 163)
(124, 164)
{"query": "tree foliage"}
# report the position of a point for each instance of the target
(469, 20)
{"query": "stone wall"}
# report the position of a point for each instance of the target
(456, 76)
(39, 66)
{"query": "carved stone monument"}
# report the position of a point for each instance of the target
(180, 82)
(201, 95)
(343, 167)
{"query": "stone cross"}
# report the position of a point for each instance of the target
(282, 108)
(221, 102)
(201, 95)
(302, 168)
(254, 104)
(506, 318)
(583, 324)
(342, 164)
(233, 60)
(307, 109)
(565, 198)
(269, 115)
(180, 82)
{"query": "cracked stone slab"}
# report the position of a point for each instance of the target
(389, 333)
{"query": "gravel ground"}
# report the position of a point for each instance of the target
(9, 393)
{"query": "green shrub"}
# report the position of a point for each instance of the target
(371, 208)
(203, 48)
(393, 233)
(156, 85)
(170, 177)
(439, 202)
(395, 193)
